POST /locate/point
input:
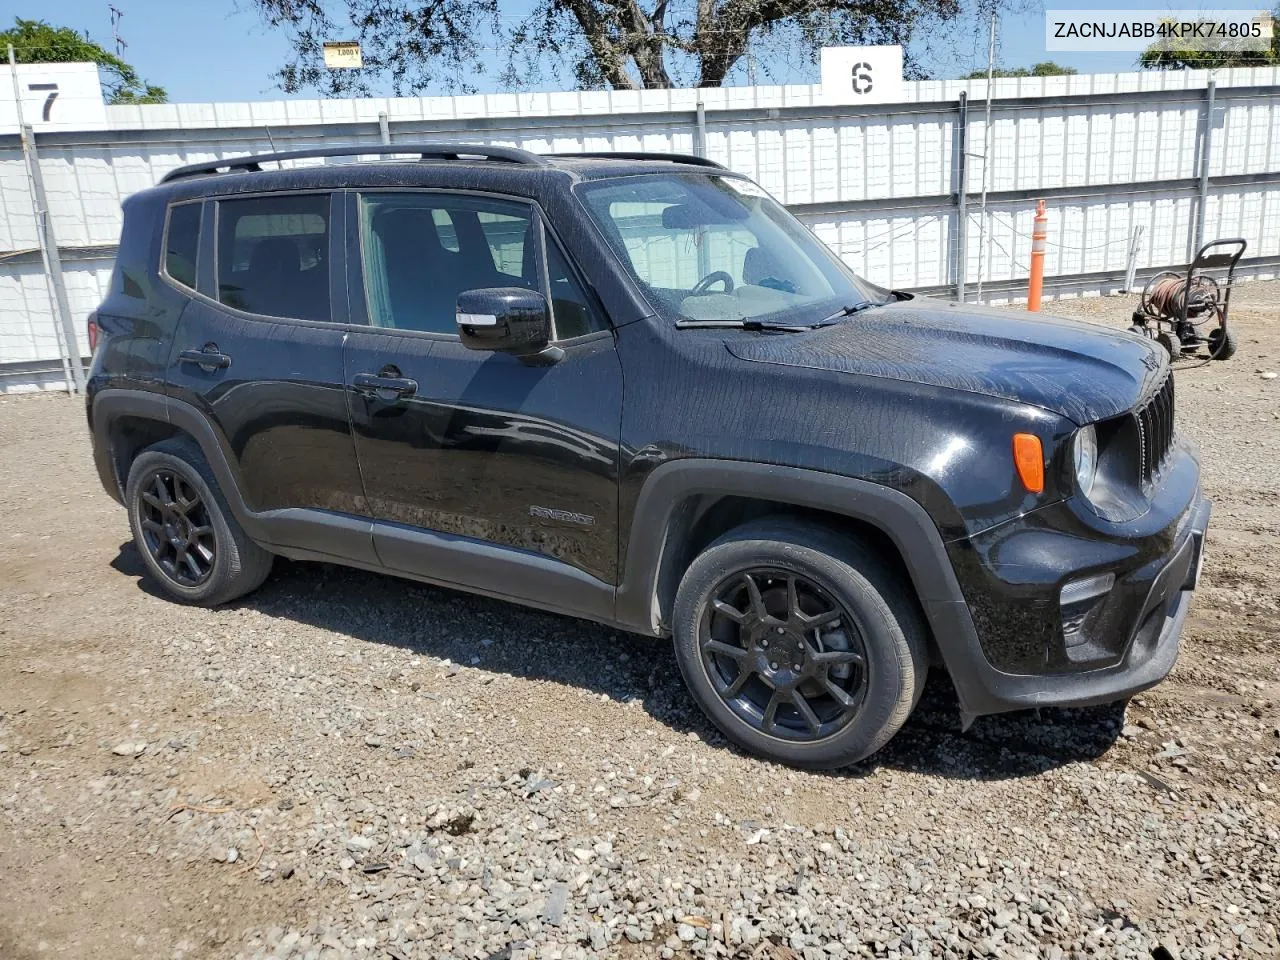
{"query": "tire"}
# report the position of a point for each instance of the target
(885, 628)
(1222, 343)
(1172, 345)
(219, 562)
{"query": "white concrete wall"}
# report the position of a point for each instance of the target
(1114, 151)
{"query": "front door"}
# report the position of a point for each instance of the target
(472, 444)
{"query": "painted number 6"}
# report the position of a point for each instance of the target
(48, 101)
(862, 78)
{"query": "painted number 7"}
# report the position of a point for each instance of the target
(48, 101)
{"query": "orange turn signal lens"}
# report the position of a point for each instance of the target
(1028, 457)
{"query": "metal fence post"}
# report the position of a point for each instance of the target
(1131, 263)
(1202, 203)
(700, 149)
(962, 172)
(64, 327)
(53, 264)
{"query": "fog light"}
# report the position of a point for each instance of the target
(1086, 589)
(1077, 600)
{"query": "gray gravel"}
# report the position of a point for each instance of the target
(344, 765)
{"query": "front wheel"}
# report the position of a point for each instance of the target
(801, 645)
(1171, 343)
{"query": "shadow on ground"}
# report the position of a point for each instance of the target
(506, 638)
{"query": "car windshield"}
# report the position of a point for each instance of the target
(718, 248)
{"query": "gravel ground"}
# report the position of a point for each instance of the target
(349, 765)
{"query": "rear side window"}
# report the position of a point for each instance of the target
(273, 255)
(445, 230)
(181, 241)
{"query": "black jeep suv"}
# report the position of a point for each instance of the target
(633, 388)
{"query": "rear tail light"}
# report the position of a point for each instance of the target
(93, 332)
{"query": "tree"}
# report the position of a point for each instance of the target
(623, 44)
(1046, 68)
(1162, 55)
(35, 41)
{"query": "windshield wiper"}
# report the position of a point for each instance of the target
(782, 326)
(746, 323)
(843, 312)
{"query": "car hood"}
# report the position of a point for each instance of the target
(1083, 372)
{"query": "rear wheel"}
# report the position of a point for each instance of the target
(799, 644)
(1222, 343)
(187, 537)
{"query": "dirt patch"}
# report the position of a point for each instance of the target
(345, 764)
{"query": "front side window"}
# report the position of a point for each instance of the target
(273, 255)
(711, 247)
(181, 241)
(423, 249)
(505, 235)
(572, 308)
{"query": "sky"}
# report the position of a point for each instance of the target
(221, 50)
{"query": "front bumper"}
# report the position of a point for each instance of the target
(1021, 652)
(1147, 659)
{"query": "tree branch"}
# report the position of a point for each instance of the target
(609, 58)
(623, 44)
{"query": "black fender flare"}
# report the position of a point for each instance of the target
(892, 512)
(105, 408)
(110, 405)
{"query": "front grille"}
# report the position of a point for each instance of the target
(1155, 429)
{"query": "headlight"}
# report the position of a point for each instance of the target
(1085, 451)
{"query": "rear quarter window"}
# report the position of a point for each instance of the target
(136, 265)
(181, 243)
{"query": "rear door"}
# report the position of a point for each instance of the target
(259, 351)
(479, 445)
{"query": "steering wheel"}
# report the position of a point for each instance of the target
(718, 276)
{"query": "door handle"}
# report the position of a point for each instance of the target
(385, 388)
(207, 357)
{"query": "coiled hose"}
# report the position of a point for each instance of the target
(1164, 295)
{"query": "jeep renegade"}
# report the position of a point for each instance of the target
(633, 388)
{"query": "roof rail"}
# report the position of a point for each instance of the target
(425, 151)
(638, 155)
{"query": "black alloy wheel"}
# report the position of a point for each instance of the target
(801, 643)
(186, 533)
(177, 530)
(783, 654)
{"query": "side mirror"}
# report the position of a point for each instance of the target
(508, 319)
